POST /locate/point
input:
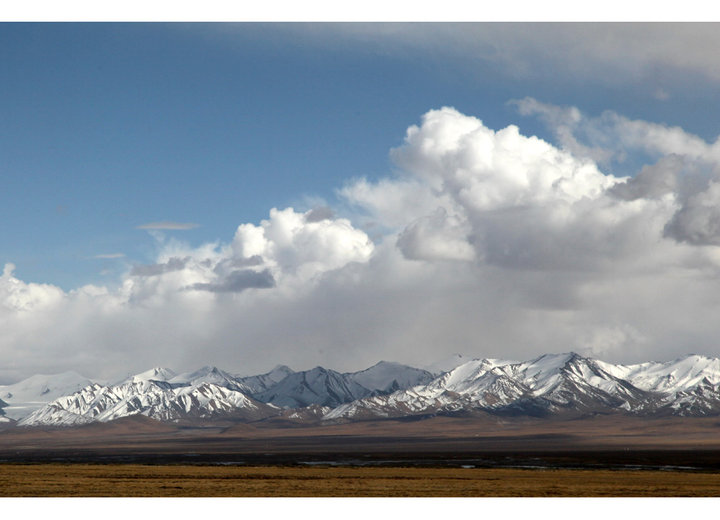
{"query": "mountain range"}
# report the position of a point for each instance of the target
(549, 385)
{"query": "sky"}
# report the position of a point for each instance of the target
(335, 194)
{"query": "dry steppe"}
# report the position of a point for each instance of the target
(437, 456)
(134, 480)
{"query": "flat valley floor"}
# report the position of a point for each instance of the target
(607, 456)
(133, 480)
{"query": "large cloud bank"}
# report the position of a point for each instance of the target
(486, 242)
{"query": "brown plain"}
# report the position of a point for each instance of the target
(132, 480)
(597, 456)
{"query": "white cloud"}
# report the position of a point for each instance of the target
(436, 237)
(698, 220)
(493, 244)
(389, 202)
(653, 181)
(661, 139)
(562, 249)
(518, 201)
(294, 245)
(191, 306)
(16, 295)
(612, 136)
(602, 342)
(687, 169)
(565, 122)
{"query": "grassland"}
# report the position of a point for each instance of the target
(133, 480)
(597, 456)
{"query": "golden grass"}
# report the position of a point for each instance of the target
(134, 480)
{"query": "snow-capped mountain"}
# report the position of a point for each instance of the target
(259, 383)
(324, 387)
(209, 375)
(441, 366)
(570, 381)
(20, 399)
(387, 376)
(551, 383)
(318, 386)
(209, 392)
(688, 385)
(3, 417)
(547, 385)
(678, 375)
(154, 374)
(202, 394)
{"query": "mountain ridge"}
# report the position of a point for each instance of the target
(550, 384)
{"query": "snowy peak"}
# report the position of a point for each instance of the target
(469, 371)
(447, 364)
(159, 400)
(476, 384)
(259, 383)
(32, 393)
(678, 375)
(204, 374)
(571, 381)
(542, 374)
(211, 392)
(3, 418)
(388, 376)
(549, 362)
(154, 374)
(279, 373)
(318, 386)
(209, 375)
(42, 385)
(548, 384)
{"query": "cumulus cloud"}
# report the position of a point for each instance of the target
(515, 201)
(611, 136)
(565, 123)
(238, 281)
(698, 220)
(173, 264)
(193, 305)
(319, 214)
(16, 295)
(492, 243)
(230, 263)
(389, 202)
(653, 181)
(436, 237)
(686, 170)
(552, 236)
(301, 247)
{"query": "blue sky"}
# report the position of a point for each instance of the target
(110, 126)
(141, 160)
